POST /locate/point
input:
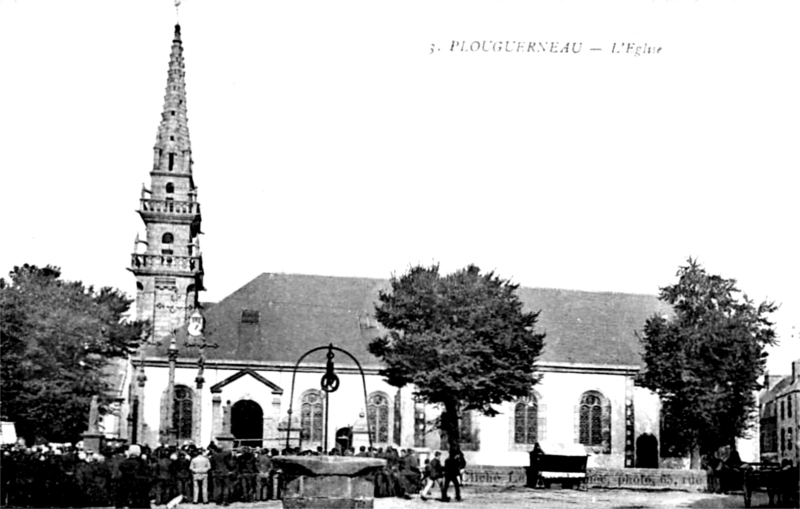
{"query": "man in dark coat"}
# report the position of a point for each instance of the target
(223, 465)
(409, 472)
(134, 482)
(163, 473)
(433, 475)
(247, 468)
(264, 462)
(182, 476)
(453, 466)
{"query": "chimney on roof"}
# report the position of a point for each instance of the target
(249, 333)
(795, 370)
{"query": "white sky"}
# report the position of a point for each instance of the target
(327, 140)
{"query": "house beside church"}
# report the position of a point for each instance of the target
(779, 422)
(226, 371)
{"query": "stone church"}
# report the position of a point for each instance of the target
(225, 371)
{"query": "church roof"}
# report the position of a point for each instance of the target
(278, 317)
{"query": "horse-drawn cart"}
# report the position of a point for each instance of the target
(779, 483)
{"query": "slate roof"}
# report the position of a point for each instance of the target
(767, 395)
(298, 312)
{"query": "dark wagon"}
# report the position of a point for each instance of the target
(779, 483)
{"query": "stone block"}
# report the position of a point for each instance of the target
(329, 482)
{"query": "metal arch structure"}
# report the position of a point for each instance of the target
(329, 383)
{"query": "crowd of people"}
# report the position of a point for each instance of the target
(66, 475)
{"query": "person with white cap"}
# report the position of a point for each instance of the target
(134, 480)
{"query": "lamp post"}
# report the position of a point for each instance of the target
(197, 338)
(172, 355)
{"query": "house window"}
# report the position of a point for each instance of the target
(378, 416)
(789, 406)
(789, 438)
(526, 420)
(311, 411)
(182, 412)
(170, 188)
(594, 415)
(783, 415)
(783, 439)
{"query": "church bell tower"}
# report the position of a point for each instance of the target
(168, 265)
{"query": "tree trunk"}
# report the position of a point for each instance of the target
(450, 425)
(695, 460)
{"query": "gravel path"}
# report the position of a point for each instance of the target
(507, 498)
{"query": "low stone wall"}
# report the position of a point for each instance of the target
(690, 480)
(494, 476)
(634, 478)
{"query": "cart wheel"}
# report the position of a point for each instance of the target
(747, 496)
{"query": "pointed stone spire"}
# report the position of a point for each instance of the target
(173, 150)
(169, 272)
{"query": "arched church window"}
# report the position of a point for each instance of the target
(170, 188)
(311, 411)
(182, 412)
(167, 238)
(378, 416)
(595, 421)
(526, 420)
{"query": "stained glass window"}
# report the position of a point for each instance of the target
(378, 415)
(595, 421)
(526, 421)
(311, 410)
(182, 412)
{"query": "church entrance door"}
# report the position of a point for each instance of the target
(646, 451)
(247, 423)
(344, 438)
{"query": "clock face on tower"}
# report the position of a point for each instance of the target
(195, 328)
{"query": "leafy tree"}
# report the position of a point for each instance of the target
(57, 338)
(463, 341)
(705, 361)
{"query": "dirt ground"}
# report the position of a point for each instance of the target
(507, 498)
